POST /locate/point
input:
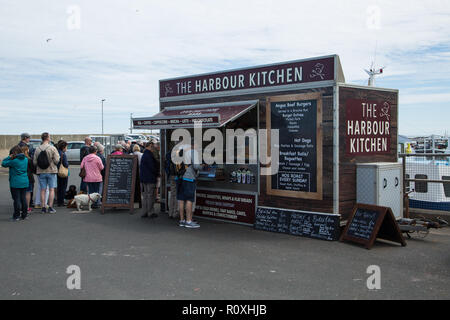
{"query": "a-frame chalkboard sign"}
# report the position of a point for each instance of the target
(369, 222)
(120, 182)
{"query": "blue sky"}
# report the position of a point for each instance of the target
(118, 50)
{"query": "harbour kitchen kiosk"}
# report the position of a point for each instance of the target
(325, 127)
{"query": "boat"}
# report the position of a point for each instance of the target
(428, 160)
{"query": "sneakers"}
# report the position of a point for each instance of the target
(51, 210)
(37, 206)
(43, 210)
(182, 223)
(191, 224)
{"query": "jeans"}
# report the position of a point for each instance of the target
(20, 202)
(61, 191)
(83, 186)
(93, 187)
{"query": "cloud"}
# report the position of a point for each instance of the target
(123, 48)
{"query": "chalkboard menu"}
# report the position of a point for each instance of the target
(363, 223)
(298, 119)
(369, 222)
(120, 181)
(312, 225)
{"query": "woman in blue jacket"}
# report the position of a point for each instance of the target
(18, 181)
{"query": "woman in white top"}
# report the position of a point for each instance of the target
(137, 152)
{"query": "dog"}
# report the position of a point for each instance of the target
(83, 200)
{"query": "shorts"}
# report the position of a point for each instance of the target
(47, 179)
(186, 191)
(30, 187)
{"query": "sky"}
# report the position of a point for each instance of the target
(119, 50)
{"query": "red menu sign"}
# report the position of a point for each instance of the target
(235, 207)
(368, 127)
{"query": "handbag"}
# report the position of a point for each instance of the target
(82, 173)
(63, 172)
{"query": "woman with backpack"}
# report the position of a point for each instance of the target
(17, 163)
(63, 173)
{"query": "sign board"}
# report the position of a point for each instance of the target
(237, 207)
(120, 182)
(283, 74)
(369, 222)
(181, 122)
(306, 224)
(298, 119)
(368, 127)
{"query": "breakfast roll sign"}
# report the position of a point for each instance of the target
(368, 127)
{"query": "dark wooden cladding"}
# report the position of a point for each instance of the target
(347, 167)
(325, 205)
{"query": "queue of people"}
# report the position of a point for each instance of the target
(47, 167)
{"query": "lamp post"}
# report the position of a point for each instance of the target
(102, 114)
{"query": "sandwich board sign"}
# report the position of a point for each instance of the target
(369, 222)
(120, 182)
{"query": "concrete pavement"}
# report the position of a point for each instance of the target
(122, 256)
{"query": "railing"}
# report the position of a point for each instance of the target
(426, 181)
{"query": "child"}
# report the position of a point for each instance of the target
(17, 163)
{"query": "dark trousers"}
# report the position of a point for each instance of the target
(83, 186)
(61, 191)
(20, 202)
(93, 187)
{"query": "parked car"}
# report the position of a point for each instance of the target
(73, 150)
(135, 137)
(151, 137)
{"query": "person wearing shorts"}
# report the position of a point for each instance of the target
(186, 187)
(47, 176)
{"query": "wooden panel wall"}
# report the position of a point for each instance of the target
(325, 205)
(347, 168)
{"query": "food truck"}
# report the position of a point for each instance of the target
(311, 131)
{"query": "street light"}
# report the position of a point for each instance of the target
(102, 114)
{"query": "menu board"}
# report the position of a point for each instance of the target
(120, 181)
(307, 224)
(369, 222)
(297, 118)
(363, 223)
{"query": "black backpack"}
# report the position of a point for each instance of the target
(42, 160)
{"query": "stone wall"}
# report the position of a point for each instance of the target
(8, 141)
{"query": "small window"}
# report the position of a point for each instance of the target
(446, 186)
(421, 187)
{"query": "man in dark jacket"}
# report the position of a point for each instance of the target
(148, 173)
